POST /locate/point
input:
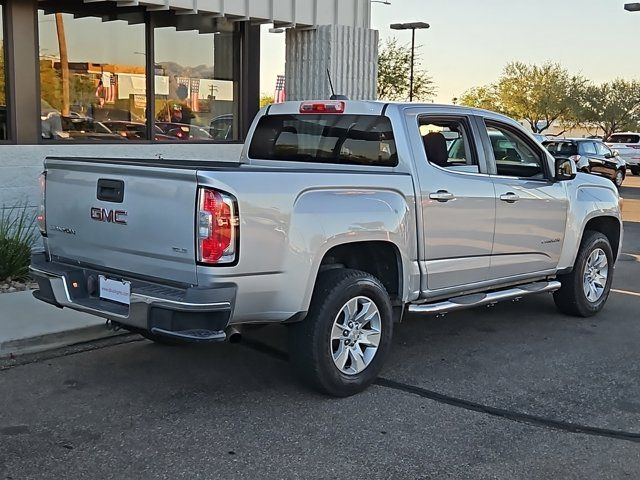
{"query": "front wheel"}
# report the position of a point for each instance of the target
(340, 347)
(619, 178)
(585, 290)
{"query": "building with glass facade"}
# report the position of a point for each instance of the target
(158, 78)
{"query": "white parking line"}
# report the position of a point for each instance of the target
(625, 292)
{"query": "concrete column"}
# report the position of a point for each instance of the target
(350, 54)
(24, 70)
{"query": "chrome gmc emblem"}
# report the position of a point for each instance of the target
(109, 216)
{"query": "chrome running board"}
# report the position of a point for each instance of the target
(480, 299)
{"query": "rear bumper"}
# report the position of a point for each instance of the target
(154, 307)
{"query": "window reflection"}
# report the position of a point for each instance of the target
(92, 78)
(4, 129)
(195, 90)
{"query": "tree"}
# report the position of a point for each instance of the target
(266, 100)
(541, 95)
(613, 106)
(486, 97)
(394, 71)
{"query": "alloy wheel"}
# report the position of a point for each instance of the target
(596, 272)
(355, 335)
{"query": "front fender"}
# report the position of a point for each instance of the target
(589, 197)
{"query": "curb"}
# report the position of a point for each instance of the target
(51, 341)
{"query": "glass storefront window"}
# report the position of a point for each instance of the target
(4, 114)
(195, 84)
(92, 78)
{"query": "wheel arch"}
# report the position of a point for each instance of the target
(610, 227)
(382, 259)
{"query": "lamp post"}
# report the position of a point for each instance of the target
(632, 7)
(413, 27)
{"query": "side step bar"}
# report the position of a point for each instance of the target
(479, 299)
(192, 335)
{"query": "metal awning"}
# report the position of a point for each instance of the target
(282, 13)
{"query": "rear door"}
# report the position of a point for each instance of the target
(457, 200)
(531, 209)
(120, 217)
(609, 164)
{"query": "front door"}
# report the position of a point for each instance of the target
(531, 209)
(457, 199)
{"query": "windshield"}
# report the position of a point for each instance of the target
(624, 138)
(562, 148)
(345, 139)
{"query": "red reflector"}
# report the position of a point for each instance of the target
(216, 228)
(322, 107)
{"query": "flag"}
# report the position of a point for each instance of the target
(281, 95)
(110, 83)
(195, 92)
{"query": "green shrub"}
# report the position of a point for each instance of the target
(17, 236)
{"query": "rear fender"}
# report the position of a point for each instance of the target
(323, 219)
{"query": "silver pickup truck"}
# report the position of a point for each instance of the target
(339, 218)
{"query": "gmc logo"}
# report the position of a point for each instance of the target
(109, 216)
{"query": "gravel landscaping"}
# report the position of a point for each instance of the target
(11, 286)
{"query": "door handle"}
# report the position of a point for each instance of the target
(442, 196)
(510, 197)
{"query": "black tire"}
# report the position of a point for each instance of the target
(571, 298)
(619, 178)
(310, 344)
(635, 170)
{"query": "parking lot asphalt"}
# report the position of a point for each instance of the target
(515, 391)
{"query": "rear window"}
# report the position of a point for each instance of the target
(624, 138)
(326, 138)
(562, 148)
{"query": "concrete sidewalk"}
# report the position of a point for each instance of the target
(28, 325)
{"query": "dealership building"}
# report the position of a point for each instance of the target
(160, 78)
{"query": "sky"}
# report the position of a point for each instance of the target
(470, 41)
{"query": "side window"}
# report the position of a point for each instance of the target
(448, 144)
(603, 150)
(588, 148)
(513, 155)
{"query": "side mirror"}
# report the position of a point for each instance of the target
(565, 169)
(616, 153)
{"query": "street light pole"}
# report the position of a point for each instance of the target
(413, 27)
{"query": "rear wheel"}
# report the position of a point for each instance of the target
(619, 178)
(340, 347)
(585, 290)
(635, 170)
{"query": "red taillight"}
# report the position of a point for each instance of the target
(41, 218)
(322, 107)
(217, 227)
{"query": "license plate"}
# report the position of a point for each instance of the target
(115, 290)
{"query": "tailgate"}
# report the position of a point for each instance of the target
(147, 231)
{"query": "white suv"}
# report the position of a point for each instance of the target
(627, 145)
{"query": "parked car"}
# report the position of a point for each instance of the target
(591, 156)
(540, 137)
(221, 128)
(183, 131)
(338, 219)
(135, 130)
(628, 146)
